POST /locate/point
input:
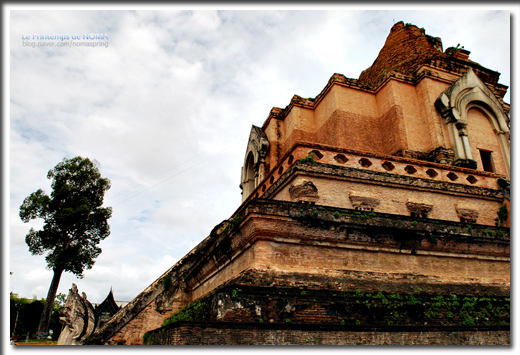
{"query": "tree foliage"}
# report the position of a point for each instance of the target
(74, 221)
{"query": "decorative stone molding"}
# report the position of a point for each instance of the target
(419, 209)
(467, 213)
(363, 202)
(163, 302)
(453, 104)
(441, 155)
(506, 187)
(174, 296)
(304, 192)
(253, 170)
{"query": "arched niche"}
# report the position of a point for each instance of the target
(467, 93)
(248, 183)
(253, 170)
(483, 140)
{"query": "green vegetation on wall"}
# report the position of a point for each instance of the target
(167, 282)
(309, 158)
(415, 309)
(502, 215)
(232, 224)
(196, 311)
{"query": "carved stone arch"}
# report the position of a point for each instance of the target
(248, 179)
(453, 104)
(253, 170)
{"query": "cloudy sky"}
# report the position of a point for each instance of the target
(166, 109)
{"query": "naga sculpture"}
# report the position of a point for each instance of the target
(78, 317)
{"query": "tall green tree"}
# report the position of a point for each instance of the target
(74, 222)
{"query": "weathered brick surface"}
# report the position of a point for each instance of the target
(240, 334)
(384, 303)
(296, 241)
(392, 130)
(406, 48)
(334, 284)
(427, 92)
(332, 309)
(337, 131)
(394, 188)
(336, 193)
(132, 333)
(301, 150)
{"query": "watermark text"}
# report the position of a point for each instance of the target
(92, 40)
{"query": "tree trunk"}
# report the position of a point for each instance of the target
(47, 308)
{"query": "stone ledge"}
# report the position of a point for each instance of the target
(369, 176)
(336, 327)
(325, 219)
(263, 281)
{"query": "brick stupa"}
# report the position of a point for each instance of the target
(374, 213)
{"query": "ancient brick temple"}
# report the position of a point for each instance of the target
(373, 213)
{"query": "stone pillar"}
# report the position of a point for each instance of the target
(461, 126)
(503, 142)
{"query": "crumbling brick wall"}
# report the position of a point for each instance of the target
(232, 334)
